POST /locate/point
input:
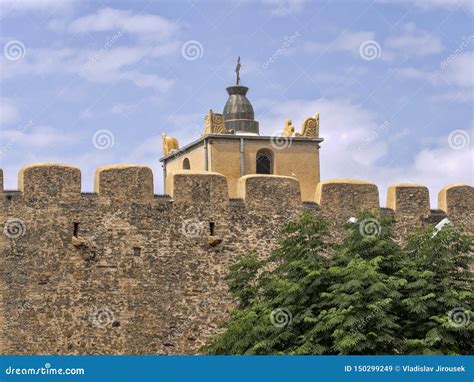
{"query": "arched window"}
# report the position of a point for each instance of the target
(186, 164)
(264, 162)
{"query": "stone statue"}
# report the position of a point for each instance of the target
(237, 70)
(310, 127)
(170, 144)
(289, 129)
(214, 124)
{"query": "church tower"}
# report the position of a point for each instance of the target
(231, 145)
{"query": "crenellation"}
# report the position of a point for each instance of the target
(435, 217)
(457, 201)
(411, 206)
(199, 187)
(136, 257)
(89, 194)
(312, 206)
(50, 182)
(270, 191)
(123, 270)
(409, 199)
(124, 183)
(341, 199)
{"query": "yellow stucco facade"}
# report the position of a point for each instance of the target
(196, 162)
(231, 145)
(294, 157)
(297, 159)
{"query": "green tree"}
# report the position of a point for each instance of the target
(366, 295)
(437, 304)
(276, 297)
(359, 313)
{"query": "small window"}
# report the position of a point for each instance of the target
(264, 162)
(137, 251)
(212, 228)
(186, 164)
(75, 231)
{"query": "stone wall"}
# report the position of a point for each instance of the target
(123, 271)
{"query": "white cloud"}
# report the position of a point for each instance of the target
(285, 7)
(21, 6)
(346, 42)
(28, 144)
(356, 145)
(143, 80)
(152, 26)
(449, 5)
(356, 142)
(450, 164)
(8, 112)
(460, 70)
(36, 137)
(409, 41)
(418, 74)
(123, 109)
(88, 162)
(112, 61)
(122, 63)
(345, 143)
(457, 74)
(459, 95)
(412, 41)
(105, 65)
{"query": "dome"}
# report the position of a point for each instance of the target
(238, 112)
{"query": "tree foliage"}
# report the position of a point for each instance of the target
(367, 295)
(437, 304)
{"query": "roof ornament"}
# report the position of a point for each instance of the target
(237, 70)
(169, 144)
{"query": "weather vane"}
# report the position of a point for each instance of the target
(237, 70)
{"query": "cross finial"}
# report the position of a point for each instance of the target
(237, 70)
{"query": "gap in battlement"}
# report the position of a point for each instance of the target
(75, 232)
(89, 194)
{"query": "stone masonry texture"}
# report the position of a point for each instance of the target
(124, 271)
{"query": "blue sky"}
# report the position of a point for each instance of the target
(98, 82)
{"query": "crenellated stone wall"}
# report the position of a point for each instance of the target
(124, 271)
